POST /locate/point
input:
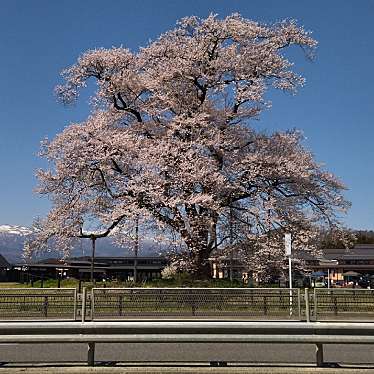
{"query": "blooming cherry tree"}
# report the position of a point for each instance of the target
(170, 140)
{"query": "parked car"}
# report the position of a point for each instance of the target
(364, 283)
(320, 284)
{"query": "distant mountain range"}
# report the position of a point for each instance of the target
(12, 239)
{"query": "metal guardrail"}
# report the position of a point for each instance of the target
(38, 303)
(120, 303)
(188, 332)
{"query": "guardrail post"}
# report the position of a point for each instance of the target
(193, 307)
(92, 305)
(91, 354)
(319, 354)
(307, 305)
(120, 305)
(335, 305)
(299, 302)
(315, 305)
(45, 306)
(84, 304)
(265, 305)
(75, 305)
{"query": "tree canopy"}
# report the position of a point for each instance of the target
(170, 139)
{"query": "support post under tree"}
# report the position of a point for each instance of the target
(93, 240)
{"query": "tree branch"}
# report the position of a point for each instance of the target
(103, 234)
(120, 104)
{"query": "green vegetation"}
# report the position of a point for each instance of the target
(181, 280)
(13, 285)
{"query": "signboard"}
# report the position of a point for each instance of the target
(287, 242)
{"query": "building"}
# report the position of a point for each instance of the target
(222, 266)
(120, 268)
(341, 264)
(5, 266)
(336, 265)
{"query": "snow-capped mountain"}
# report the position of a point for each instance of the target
(15, 230)
(12, 239)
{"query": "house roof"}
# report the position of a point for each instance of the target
(3, 262)
(359, 252)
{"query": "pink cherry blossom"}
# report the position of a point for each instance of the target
(170, 140)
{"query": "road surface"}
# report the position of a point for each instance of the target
(203, 353)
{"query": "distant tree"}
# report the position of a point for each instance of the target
(169, 139)
(364, 236)
(331, 238)
(342, 238)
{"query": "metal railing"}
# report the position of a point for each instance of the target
(187, 303)
(338, 303)
(114, 303)
(187, 332)
(38, 303)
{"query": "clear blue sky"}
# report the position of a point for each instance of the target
(335, 110)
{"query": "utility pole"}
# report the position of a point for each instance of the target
(93, 240)
(136, 249)
(288, 250)
(231, 247)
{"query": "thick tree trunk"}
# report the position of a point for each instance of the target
(203, 271)
(200, 240)
(200, 262)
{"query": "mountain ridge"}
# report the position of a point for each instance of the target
(13, 237)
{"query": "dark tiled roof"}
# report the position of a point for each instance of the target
(3, 262)
(304, 255)
(52, 261)
(360, 251)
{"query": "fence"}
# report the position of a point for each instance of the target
(195, 302)
(343, 304)
(38, 303)
(187, 303)
(220, 332)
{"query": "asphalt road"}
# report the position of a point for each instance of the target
(182, 370)
(204, 353)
